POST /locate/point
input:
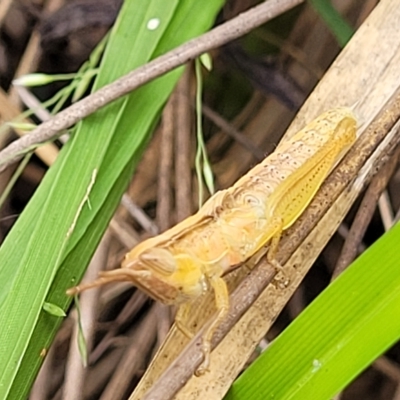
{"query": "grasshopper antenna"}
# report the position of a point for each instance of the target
(116, 275)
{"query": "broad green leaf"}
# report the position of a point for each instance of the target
(53, 240)
(348, 326)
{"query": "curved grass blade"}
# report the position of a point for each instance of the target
(348, 326)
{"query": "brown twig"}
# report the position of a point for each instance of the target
(251, 287)
(8, 112)
(218, 36)
(165, 168)
(164, 199)
(134, 305)
(364, 215)
(386, 210)
(183, 170)
(139, 215)
(4, 8)
(75, 375)
(133, 358)
(388, 367)
(229, 129)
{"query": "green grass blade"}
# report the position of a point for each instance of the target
(348, 326)
(335, 22)
(53, 240)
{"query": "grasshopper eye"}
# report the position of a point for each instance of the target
(160, 260)
(251, 199)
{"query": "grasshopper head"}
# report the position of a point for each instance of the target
(171, 277)
(164, 276)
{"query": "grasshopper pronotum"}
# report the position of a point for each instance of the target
(181, 264)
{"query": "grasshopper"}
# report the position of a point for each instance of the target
(183, 263)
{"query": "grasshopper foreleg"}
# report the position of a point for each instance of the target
(181, 318)
(117, 275)
(222, 304)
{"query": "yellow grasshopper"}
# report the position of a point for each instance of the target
(187, 260)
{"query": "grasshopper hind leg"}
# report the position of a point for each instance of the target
(272, 236)
(272, 252)
(273, 247)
